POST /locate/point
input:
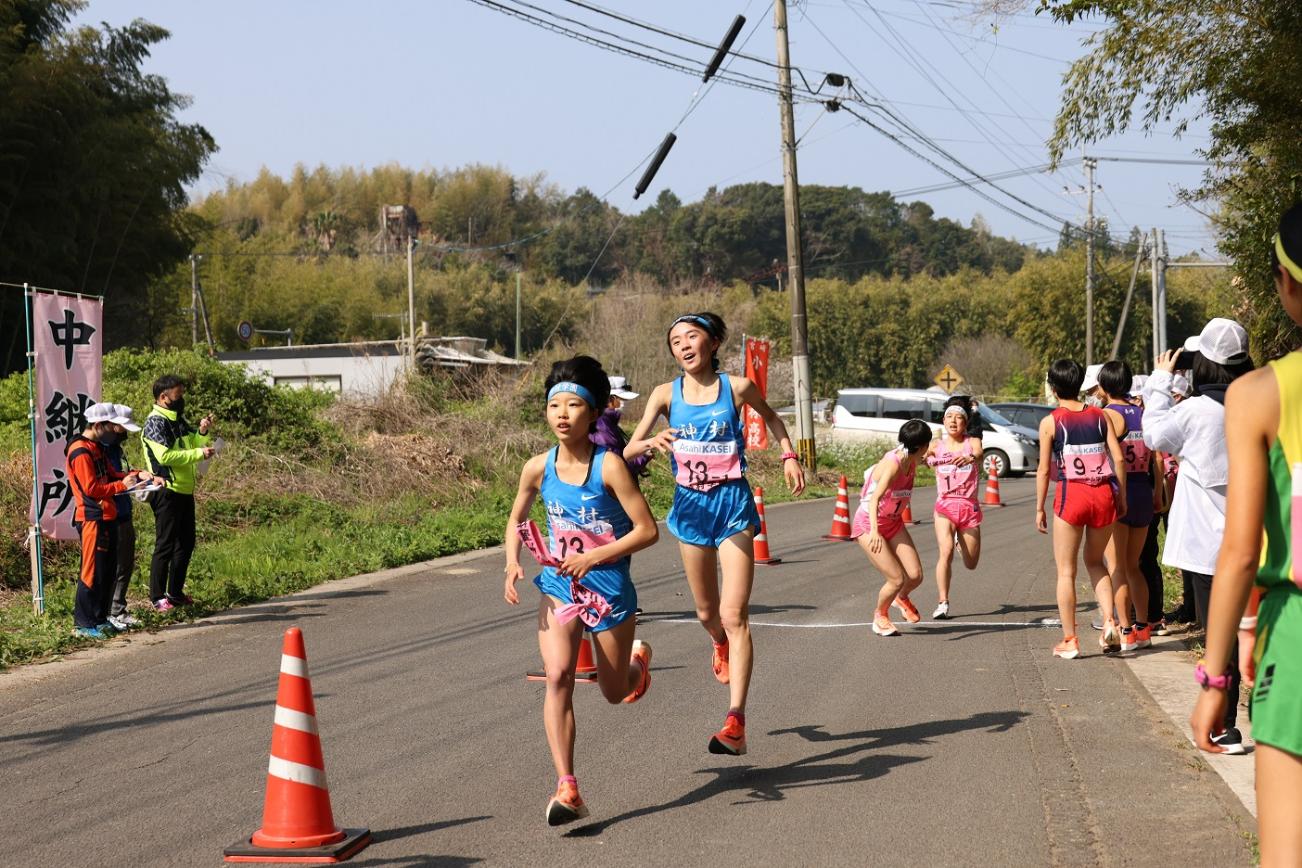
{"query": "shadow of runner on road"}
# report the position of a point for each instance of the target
(755, 609)
(757, 785)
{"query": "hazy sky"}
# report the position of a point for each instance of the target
(443, 83)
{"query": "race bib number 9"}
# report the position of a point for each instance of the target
(1086, 463)
(705, 464)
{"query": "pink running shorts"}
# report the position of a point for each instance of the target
(964, 514)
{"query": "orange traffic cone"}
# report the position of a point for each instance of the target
(992, 487)
(762, 555)
(297, 823)
(841, 518)
(585, 671)
(906, 514)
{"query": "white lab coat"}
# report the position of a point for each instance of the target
(1194, 430)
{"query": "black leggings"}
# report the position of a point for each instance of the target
(1202, 592)
(173, 543)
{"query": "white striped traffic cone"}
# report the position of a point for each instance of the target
(841, 517)
(762, 555)
(297, 822)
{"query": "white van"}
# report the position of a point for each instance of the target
(862, 414)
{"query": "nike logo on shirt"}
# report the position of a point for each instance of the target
(589, 496)
(718, 412)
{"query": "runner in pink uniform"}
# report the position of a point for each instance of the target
(956, 459)
(879, 526)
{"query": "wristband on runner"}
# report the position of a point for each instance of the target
(1216, 682)
(787, 456)
(1248, 623)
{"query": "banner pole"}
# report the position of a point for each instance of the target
(34, 532)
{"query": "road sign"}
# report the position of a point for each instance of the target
(245, 330)
(949, 379)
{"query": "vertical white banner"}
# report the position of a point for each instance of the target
(68, 337)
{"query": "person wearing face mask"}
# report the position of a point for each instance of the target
(173, 447)
(95, 483)
(1093, 393)
(125, 528)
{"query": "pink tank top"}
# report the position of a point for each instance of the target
(952, 481)
(897, 493)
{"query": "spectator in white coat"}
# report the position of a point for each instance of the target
(1194, 430)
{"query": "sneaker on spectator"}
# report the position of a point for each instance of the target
(163, 605)
(89, 632)
(122, 623)
(1231, 741)
(182, 600)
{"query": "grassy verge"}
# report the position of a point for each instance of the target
(265, 545)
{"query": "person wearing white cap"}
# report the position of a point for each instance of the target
(119, 617)
(1194, 430)
(1090, 388)
(94, 485)
(609, 434)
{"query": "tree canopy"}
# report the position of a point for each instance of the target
(1237, 64)
(93, 166)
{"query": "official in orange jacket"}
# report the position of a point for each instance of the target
(94, 483)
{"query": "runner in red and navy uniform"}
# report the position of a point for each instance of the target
(1083, 451)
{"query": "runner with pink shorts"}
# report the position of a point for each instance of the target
(879, 525)
(956, 459)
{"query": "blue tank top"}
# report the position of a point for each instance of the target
(582, 517)
(711, 445)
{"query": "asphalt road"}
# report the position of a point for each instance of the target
(959, 743)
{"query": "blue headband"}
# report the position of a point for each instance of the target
(696, 320)
(574, 388)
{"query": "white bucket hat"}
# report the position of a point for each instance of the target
(1091, 377)
(105, 412)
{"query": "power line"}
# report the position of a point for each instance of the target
(946, 171)
(695, 71)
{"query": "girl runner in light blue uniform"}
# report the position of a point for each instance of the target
(596, 518)
(713, 514)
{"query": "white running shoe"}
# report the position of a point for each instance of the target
(942, 611)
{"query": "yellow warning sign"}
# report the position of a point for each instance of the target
(949, 379)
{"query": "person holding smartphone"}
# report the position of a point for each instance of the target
(173, 447)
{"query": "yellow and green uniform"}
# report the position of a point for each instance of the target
(1277, 694)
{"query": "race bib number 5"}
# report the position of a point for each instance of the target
(705, 464)
(1136, 452)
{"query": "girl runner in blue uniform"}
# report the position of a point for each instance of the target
(596, 518)
(713, 514)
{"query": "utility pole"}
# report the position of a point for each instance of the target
(194, 301)
(1090, 164)
(795, 268)
(517, 314)
(411, 299)
(1159, 345)
(1161, 286)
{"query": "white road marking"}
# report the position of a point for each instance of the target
(1044, 622)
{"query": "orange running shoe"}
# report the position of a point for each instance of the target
(731, 739)
(907, 609)
(1067, 649)
(882, 625)
(642, 657)
(1145, 636)
(719, 662)
(566, 806)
